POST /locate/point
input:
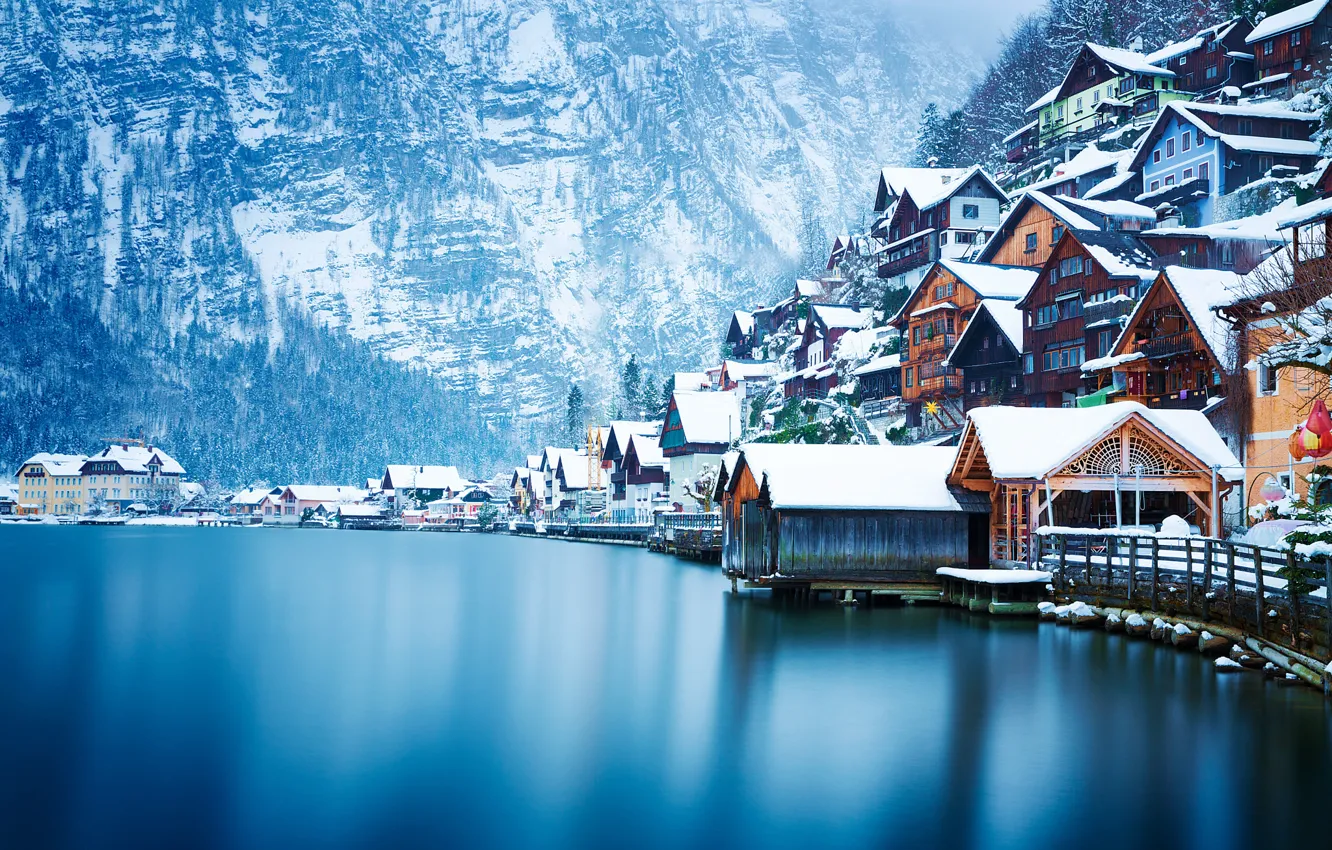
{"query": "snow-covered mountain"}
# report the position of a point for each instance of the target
(512, 194)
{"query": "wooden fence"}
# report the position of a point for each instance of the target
(1248, 587)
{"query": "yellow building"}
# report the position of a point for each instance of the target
(53, 483)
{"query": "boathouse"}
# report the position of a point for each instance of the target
(1113, 465)
(869, 515)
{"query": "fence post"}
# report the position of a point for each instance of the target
(1294, 600)
(1086, 561)
(1188, 573)
(1207, 578)
(1230, 583)
(1063, 560)
(1259, 593)
(1110, 548)
(1133, 565)
(1156, 568)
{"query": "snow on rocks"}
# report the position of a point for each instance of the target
(1137, 626)
(1226, 665)
(1046, 611)
(1159, 629)
(1182, 637)
(1211, 645)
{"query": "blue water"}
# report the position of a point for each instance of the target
(241, 688)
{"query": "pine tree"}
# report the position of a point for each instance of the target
(929, 137)
(575, 417)
(631, 388)
(667, 390)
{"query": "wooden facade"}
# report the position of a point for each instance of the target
(990, 362)
(1217, 57)
(1298, 51)
(1206, 250)
(1056, 335)
(930, 322)
(1134, 462)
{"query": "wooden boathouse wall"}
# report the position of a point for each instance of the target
(879, 545)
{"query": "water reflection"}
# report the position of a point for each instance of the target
(265, 688)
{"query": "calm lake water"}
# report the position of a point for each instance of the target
(234, 688)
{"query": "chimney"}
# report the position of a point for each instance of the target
(1136, 44)
(1168, 216)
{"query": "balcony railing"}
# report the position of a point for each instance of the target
(1168, 346)
(941, 385)
(1103, 311)
(914, 260)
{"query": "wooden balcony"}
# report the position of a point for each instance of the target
(1171, 345)
(941, 385)
(1104, 311)
(912, 261)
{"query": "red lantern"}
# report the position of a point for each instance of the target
(1313, 438)
(1319, 422)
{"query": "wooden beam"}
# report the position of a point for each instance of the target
(973, 447)
(1172, 484)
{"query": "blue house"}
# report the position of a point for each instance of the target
(1197, 152)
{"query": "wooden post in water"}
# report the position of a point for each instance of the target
(1230, 582)
(1156, 568)
(1207, 578)
(1133, 565)
(1111, 548)
(1259, 593)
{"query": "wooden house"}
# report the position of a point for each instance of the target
(740, 334)
(1290, 47)
(879, 514)
(642, 479)
(699, 429)
(413, 485)
(814, 375)
(1128, 79)
(748, 377)
(930, 321)
(1033, 225)
(930, 214)
(1210, 60)
(1089, 169)
(989, 356)
(1174, 351)
(1094, 467)
(294, 500)
(880, 378)
(520, 484)
(1090, 281)
(1195, 153)
(1238, 246)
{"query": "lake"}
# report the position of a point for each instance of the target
(242, 688)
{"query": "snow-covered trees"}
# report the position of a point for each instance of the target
(700, 488)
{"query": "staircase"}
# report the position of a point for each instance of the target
(863, 429)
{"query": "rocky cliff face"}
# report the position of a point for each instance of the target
(512, 194)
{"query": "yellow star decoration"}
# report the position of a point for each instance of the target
(932, 408)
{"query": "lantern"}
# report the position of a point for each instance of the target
(1272, 490)
(1313, 438)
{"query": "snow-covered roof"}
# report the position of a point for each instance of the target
(1188, 111)
(1127, 60)
(1006, 314)
(58, 464)
(993, 281)
(1062, 211)
(1113, 209)
(809, 288)
(534, 461)
(1019, 131)
(709, 417)
(1122, 255)
(1281, 22)
(1109, 184)
(833, 316)
(1267, 81)
(403, 477)
(648, 450)
(921, 182)
(252, 496)
(822, 477)
(740, 370)
(1032, 442)
(1088, 161)
(621, 431)
(1267, 144)
(361, 511)
(135, 459)
(926, 196)
(880, 364)
(1200, 292)
(1263, 226)
(1271, 109)
(744, 320)
(1310, 212)
(573, 470)
(692, 381)
(1045, 99)
(1193, 42)
(325, 493)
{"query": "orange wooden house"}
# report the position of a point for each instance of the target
(930, 322)
(1033, 226)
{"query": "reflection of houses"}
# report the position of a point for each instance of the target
(1174, 350)
(699, 430)
(1069, 467)
(930, 321)
(1090, 281)
(815, 374)
(930, 214)
(989, 356)
(1195, 153)
(838, 513)
(1289, 47)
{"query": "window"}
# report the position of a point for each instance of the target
(1202, 171)
(1096, 96)
(1185, 141)
(1170, 148)
(1227, 254)
(1078, 110)
(1070, 266)
(1156, 184)
(971, 210)
(1287, 131)
(1056, 234)
(1246, 126)
(909, 376)
(1188, 174)
(1071, 308)
(1047, 315)
(1091, 72)
(1110, 90)
(1267, 379)
(964, 237)
(1265, 164)
(1170, 180)
(1156, 155)
(915, 335)
(1183, 60)
(1211, 47)
(1268, 47)
(1028, 365)
(943, 290)
(1031, 242)
(1059, 112)
(943, 238)
(1104, 341)
(1210, 73)
(1295, 39)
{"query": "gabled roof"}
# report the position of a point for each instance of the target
(1046, 99)
(1218, 32)
(880, 364)
(1033, 442)
(550, 458)
(1089, 160)
(835, 316)
(1120, 61)
(741, 321)
(1285, 21)
(137, 458)
(1007, 316)
(993, 281)
(325, 493)
(707, 417)
(894, 182)
(1122, 255)
(253, 496)
(1188, 112)
(742, 370)
(1198, 292)
(1065, 214)
(692, 381)
(572, 470)
(831, 477)
(621, 431)
(404, 477)
(647, 450)
(58, 464)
